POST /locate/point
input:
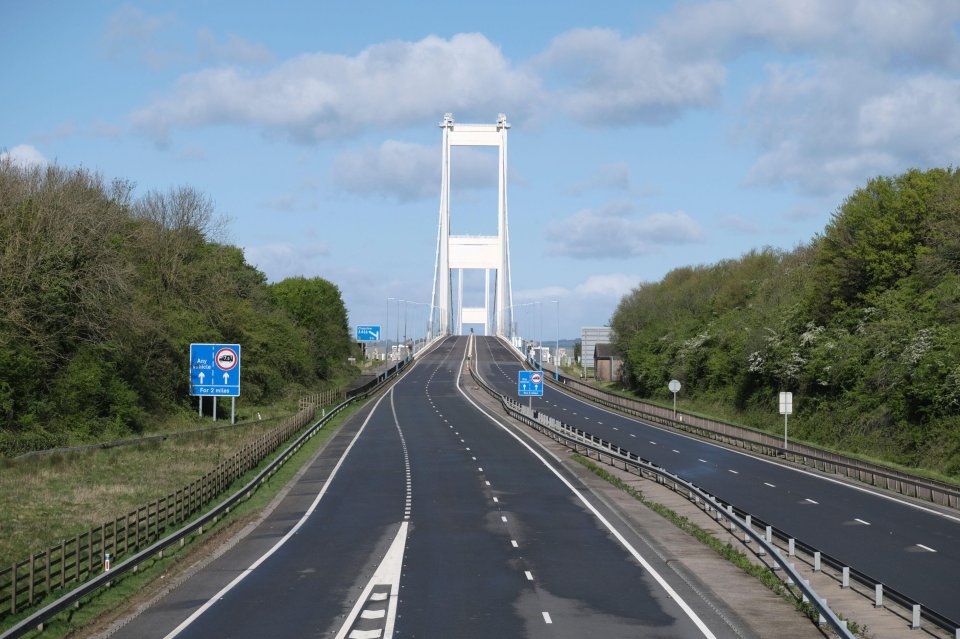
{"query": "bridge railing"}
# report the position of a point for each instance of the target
(583, 442)
(936, 492)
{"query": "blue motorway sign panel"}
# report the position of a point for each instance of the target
(368, 333)
(215, 370)
(530, 384)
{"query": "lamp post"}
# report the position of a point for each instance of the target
(386, 334)
(556, 354)
(428, 306)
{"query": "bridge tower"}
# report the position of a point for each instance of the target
(491, 253)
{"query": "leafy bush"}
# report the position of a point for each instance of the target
(862, 325)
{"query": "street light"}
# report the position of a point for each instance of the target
(386, 333)
(429, 306)
(556, 361)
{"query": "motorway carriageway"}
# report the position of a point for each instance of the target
(426, 517)
(908, 547)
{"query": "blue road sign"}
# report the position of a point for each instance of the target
(368, 333)
(530, 384)
(215, 370)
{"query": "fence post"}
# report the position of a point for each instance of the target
(33, 560)
(916, 617)
(878, 596)
(816, 561)
(47, 582)
(846, 577)
(13, 589)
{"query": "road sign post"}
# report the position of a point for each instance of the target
(215, 372)
(786, 408)
(674, 387)
(530, 384)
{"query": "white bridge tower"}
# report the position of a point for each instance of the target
(486, 252)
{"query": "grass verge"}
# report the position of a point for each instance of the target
(107, 603)
(738, 558)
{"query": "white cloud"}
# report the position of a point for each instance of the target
(133, 34)
(158, 41)
(611, 285)
(282, 260)
(613, 232)
(829, 127)
(24, 155)
(884, 31)
(407, 172)
(319, 96)
(606, 79)
(234, 49)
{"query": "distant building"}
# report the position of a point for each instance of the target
(608, 363)
(590, 336)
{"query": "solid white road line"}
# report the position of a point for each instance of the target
(313, 506)
(673, 594)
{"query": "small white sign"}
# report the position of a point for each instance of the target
(674, 385)
(786, 403)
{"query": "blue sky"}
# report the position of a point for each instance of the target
(645, 136)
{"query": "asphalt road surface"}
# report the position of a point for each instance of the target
(906, 546)
(425, 517)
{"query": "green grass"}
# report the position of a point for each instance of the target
(107, 600)
(47, 499)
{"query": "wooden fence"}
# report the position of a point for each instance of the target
(323, 398)
(71, 562)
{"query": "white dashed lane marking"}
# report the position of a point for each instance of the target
(861, 521)
(766, 483)
(927, 548)
(810, 501)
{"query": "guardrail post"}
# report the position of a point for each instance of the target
(846, 577)
(816, 561)
(768, 534)
(803, 595)
(916, 617)
(878, 596)
(792, 546)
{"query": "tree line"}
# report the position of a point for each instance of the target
(862, 324)
(102, 294)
